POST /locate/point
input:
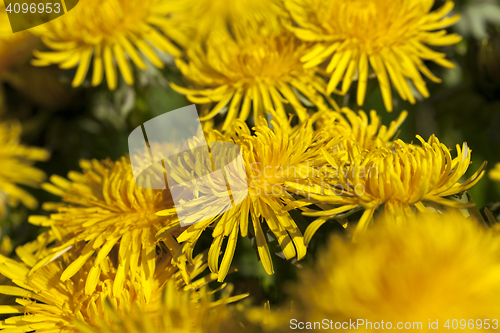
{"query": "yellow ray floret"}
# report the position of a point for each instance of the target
(388, 36)
(106, 33)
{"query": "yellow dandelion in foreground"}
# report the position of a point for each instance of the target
(46, 304)
(436, 267)
(104, 207)
(271, 158)
(495, 173)
(389, 36)
(402, 179)
(255, 71)
(369, 134)
(17, 168)
(106, 33)
(179, 311)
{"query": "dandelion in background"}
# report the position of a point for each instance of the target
(390, 37)
(13, 46)
(495, 173)
(17, 168)
(199, 18)
(106, 33)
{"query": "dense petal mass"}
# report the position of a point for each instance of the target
(390, 37)
(106, 33)
(179, 311)
(17, 160)
(357, 129)
(145, 243)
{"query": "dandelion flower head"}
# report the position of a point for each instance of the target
(106, 33)
(103, 207)
(402, 179)
(390, 37)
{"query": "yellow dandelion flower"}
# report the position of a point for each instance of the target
(402, 179)
(104, 207)
(433, 267)
(106, 33)
(17, 168)
(495, 173)
(252, 71)
(179, 311)
(357, 128)
(271, 158)
(389, 36)
(47, 304)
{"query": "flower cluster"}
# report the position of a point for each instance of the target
(114, 255)
(259, 54)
